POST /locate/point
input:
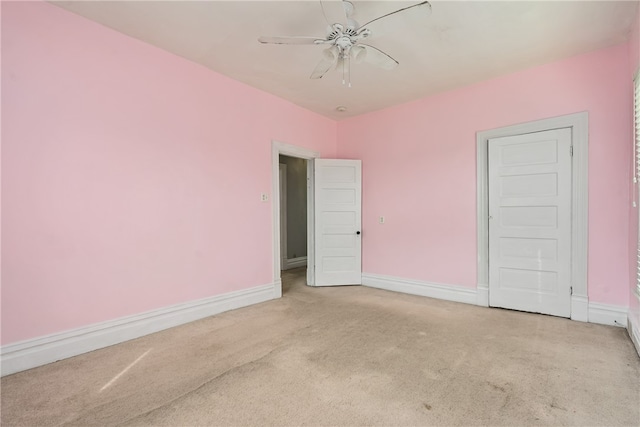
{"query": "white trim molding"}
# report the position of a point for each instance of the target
(606, 314)
(579, 125)
(47, 349)
(290, 263)
(416, 287)
(633, 329)
(579, 308)
(282, 199)
(277, 289)
(482, 296)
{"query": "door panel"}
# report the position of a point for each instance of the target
(338, 213)
(530, 222)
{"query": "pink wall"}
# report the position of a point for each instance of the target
(634, 65)
(419, 169)
(131, 177)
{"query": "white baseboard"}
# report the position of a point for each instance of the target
(581, 309)
(40, 351)
(633, 328)
(606, 314)
(301, 261)
(425, 289)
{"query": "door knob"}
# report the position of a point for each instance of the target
(357, 232)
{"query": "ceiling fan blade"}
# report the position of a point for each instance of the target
(324, 13)
(375, 56)
(349, 13)
(329, 59)
(291, 40)
(425, 5)
(348, 8)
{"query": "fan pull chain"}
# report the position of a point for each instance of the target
(346, 70)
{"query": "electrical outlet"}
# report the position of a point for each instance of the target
(264, 197)
(381, 220)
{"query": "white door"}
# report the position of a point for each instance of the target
(338, 210)
(530, 222)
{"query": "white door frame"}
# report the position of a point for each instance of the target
(579, 124)
(280, 148)
(283, 214)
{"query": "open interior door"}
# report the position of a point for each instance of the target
(338, 211)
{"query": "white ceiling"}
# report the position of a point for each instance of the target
(459, 43)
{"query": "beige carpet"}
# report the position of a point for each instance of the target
(344, 356)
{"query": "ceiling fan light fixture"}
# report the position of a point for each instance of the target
(330, 54)
(358, 53)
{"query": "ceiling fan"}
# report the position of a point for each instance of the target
(345, 43)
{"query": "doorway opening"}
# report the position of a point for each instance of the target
(293, 219)
(285, 254)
